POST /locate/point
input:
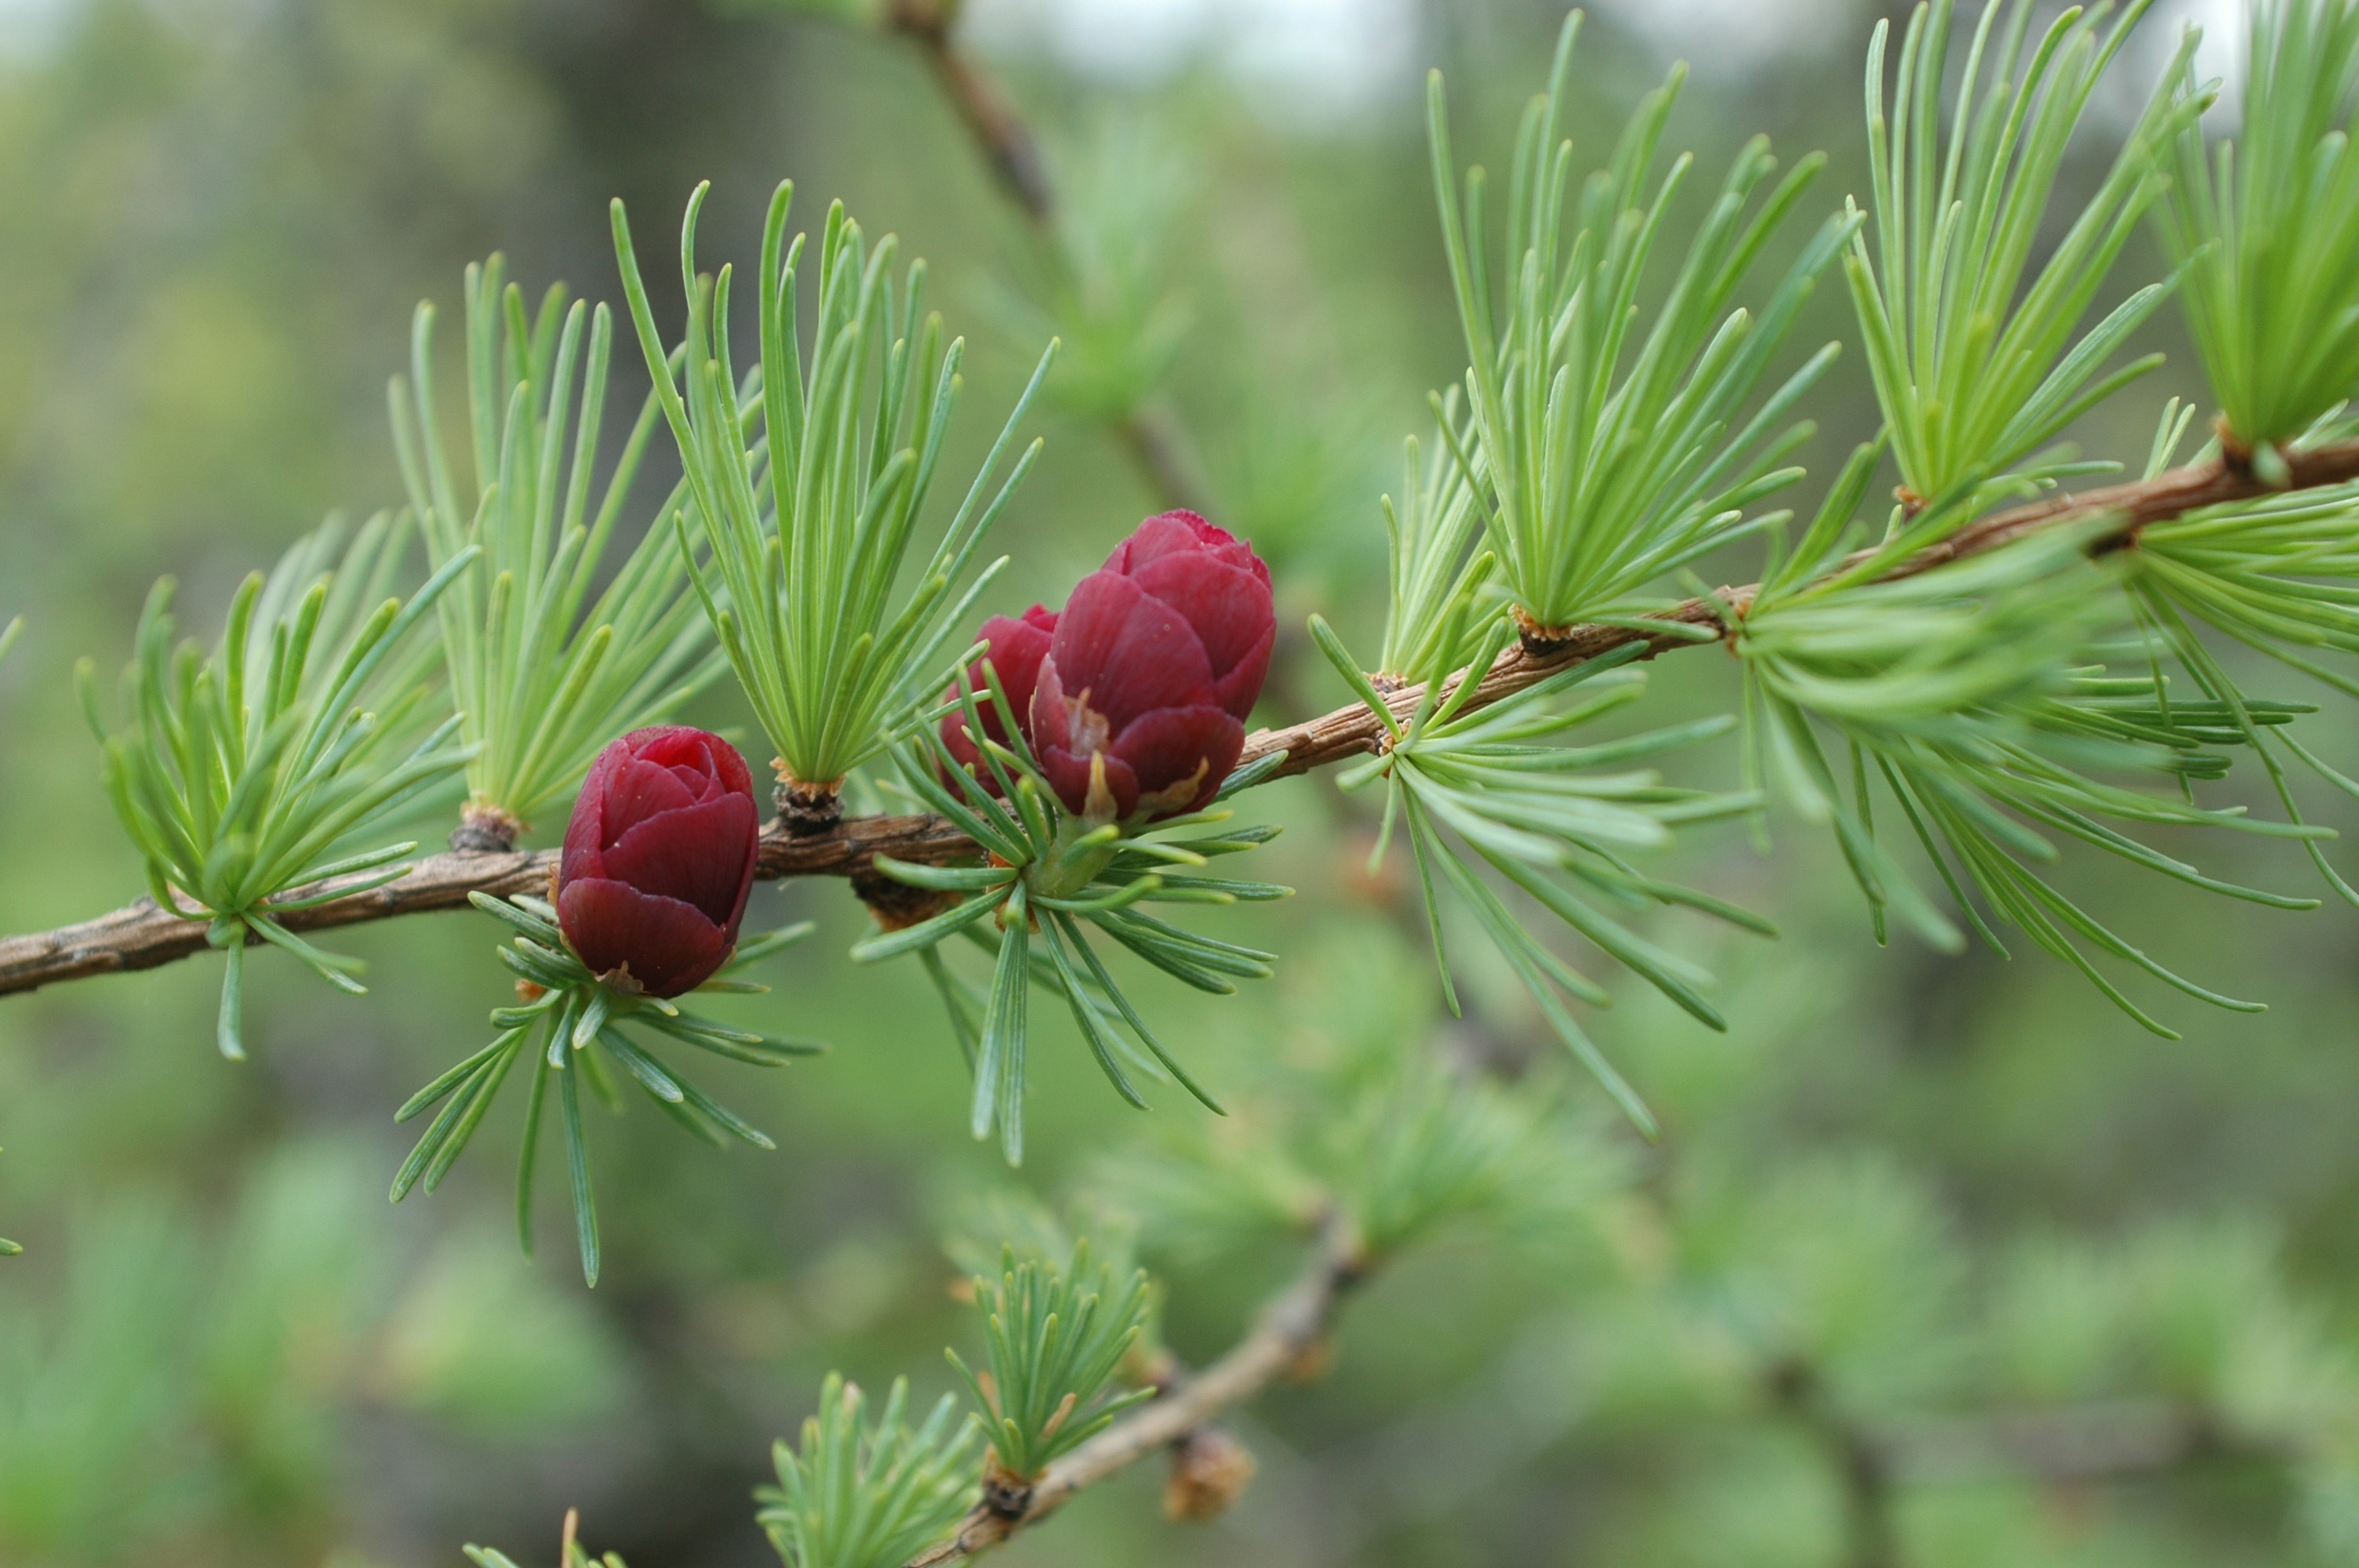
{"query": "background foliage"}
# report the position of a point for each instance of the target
(1902, 1185)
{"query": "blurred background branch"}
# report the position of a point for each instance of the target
(1150, 431)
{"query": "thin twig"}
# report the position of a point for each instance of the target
(142, 936)
(2072, 1443)
(1864, 1466)
(1152, 433)
(1159, 443)
(2063, 1445)
(999, 133)
(1290, 1329)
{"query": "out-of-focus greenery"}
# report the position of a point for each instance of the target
(1902, 1192)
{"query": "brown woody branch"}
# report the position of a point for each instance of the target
(1289, 1334)
(1862, 1465)
(142, 936)
(1159, 445)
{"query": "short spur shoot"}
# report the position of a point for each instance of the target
(548, 657)
(278, 759)
(812, 520)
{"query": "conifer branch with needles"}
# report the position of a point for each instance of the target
(1988, 656)
(143, 936)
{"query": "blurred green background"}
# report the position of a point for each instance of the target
(1905, 1195)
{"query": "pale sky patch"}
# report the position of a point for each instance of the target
(1735, 38)
(1300, 59)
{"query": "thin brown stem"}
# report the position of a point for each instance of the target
(1291, 1330)
(1863, 1465)
(2067, 1445)
(997, 130)
(1152, 433)
(142, 936)
(1159, 443)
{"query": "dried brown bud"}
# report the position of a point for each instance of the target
(806, 809)
(1209, 1472)
(1540, 642)
(1310, 1363)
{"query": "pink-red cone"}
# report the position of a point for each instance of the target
(1157, 659)
(659, 860)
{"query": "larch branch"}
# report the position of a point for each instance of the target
(2055, 1446)
(142, 936)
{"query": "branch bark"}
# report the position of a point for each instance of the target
(1165, 454)
(1863, 1466)
(1291, 1328)
(142, 936)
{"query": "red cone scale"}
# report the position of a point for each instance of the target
(658, 859)
(1140, 705)
(1015, 649)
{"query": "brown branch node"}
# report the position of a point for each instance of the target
(486, 830)
(807, 810)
